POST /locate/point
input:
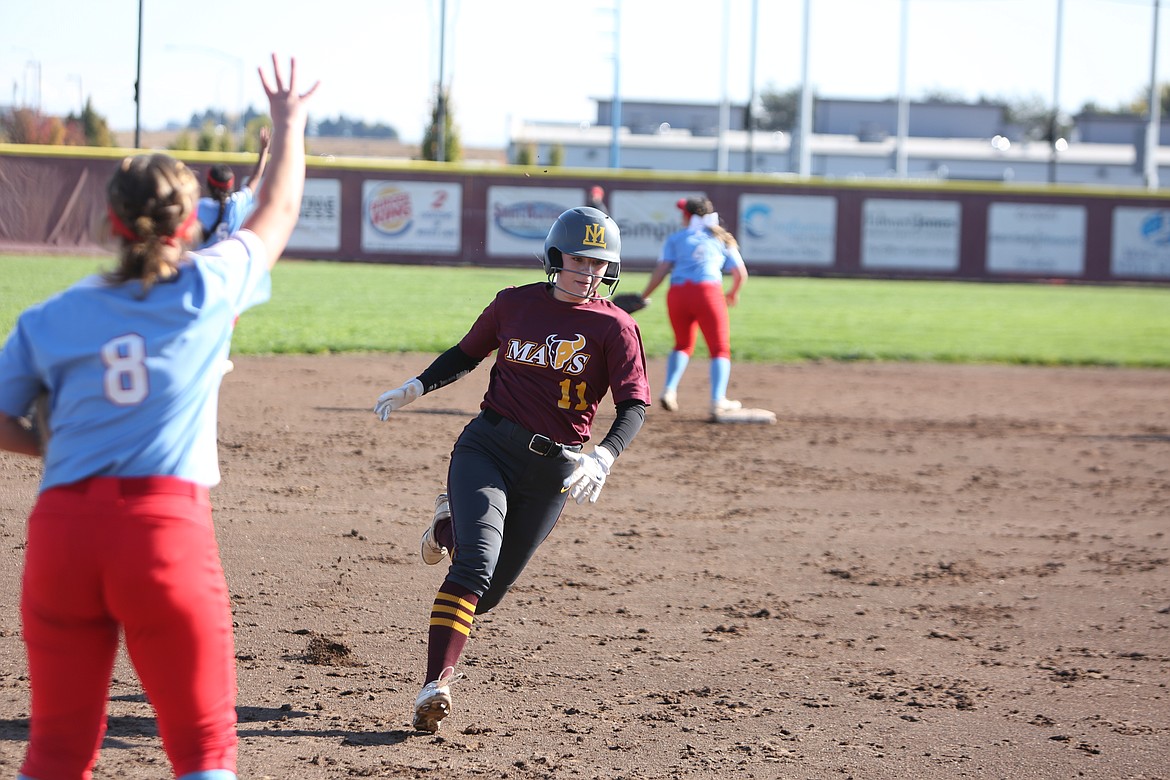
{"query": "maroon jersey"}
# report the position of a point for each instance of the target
(555, 361)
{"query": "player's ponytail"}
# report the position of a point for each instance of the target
(702, 207)
(151, 206)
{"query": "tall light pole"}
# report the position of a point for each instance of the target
(725, 99)
(900, 159)
(35, 67)
(750, 119)
(1152, 126)
(138, 86)
(1054, 121)
(805, 161)
(80, 93)
(615, 119)
(441, 104)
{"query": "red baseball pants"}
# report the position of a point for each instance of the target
(137, 554)
(702, 304)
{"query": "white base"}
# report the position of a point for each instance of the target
(757, 416)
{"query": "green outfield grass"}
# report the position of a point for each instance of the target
(343, 307)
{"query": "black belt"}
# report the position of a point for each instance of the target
(535, 442)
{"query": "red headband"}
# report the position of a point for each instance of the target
(120, 228)
(216, 184)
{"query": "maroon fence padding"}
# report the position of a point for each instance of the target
(425, 213)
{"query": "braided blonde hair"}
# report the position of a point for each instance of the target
(151, 198)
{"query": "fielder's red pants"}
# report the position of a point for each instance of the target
(700, 304)
(137, 554)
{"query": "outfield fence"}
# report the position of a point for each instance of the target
(52, 199)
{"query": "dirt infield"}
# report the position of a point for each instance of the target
(919, 571)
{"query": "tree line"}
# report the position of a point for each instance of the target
(215, 130)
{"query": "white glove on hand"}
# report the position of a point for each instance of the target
(393, 400)
(587, 479)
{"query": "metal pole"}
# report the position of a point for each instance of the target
(80, 94)
(1053, 123)
(805, 164)
(34, 102)
(240, 98)
(1152, 125)
(751, 105)
(615, 120)
(138, 86)
(441, 108)
(900, 161)
(725, 100)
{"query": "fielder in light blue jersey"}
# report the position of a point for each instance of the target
(123, 402)
(121, 540)
(223, 211)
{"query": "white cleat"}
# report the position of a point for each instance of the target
(431, 551)
(433, 703)
(669, 400)
(724, 405)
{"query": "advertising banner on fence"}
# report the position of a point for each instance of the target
(1036, 238)
(920, 235)
(787, 229)
(646, 218)
(319, 224)
(519, 218)
(1141, 243)
(418, 217)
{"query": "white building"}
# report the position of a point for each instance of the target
(868, 152)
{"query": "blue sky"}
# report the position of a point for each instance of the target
(510, 60)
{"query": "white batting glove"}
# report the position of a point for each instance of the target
(393, 400)
(587, 479)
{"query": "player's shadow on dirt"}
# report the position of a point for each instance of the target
(16, 729)
(256, 715)
(348, 738)
(121, 727)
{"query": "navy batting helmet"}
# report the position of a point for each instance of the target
(585, 232)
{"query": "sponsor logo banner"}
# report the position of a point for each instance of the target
(319, 224)
(1036, 238)
(1141, 243)
(519, 218)
(787, 229)
(910, 234)
(412, 216)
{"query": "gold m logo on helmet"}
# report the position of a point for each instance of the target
(594, 236)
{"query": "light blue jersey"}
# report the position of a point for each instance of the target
(698, 256)
(237, 208)
(134, 382)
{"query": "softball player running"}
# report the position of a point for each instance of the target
(695, 258)
(560, 347)
(121, 535)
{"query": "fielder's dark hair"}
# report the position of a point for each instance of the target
(150, 198)
(220, 180)
(701, 207)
